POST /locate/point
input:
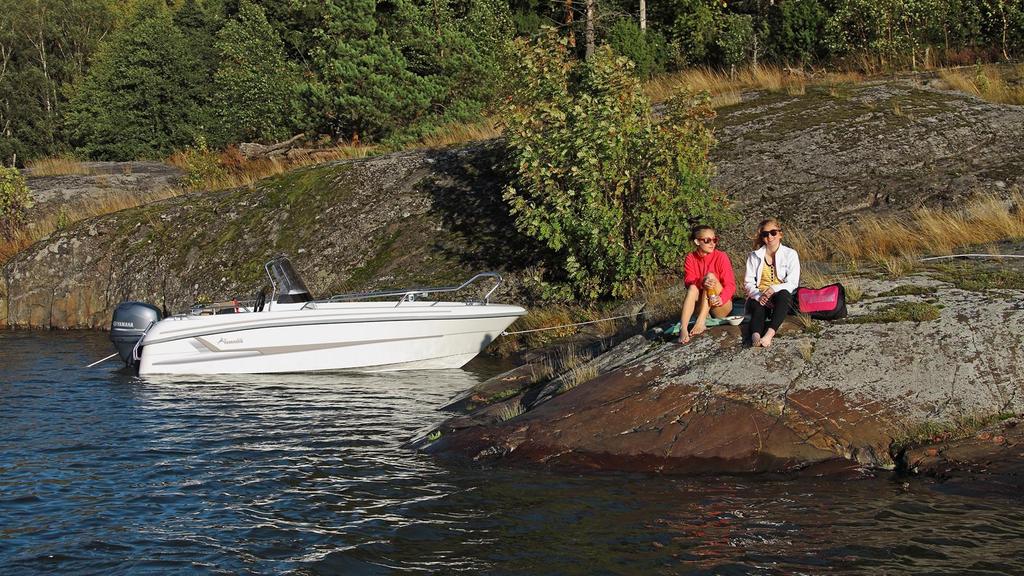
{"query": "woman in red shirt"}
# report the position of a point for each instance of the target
(709, 283)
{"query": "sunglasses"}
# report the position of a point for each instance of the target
(711, 240)
(772, 233)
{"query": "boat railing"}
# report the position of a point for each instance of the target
(411, 294)
(212, 308)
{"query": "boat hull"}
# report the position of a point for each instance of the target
(341, 336)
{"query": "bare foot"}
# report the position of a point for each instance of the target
(755, 340)
(684, 338)
(698, 328)
(766, 340)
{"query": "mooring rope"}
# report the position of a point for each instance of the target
(972, 256)
(507, 333)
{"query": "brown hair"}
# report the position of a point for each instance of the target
(758, 242)
(698, 229)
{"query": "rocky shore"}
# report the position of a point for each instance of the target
(919, 358)
(925, 377)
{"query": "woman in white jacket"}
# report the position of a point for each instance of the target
(773, 274)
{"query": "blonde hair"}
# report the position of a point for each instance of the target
(758, 241)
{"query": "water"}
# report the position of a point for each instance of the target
(104, 473)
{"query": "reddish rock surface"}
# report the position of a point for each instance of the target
(847, 395)
(623, 421)
(989, 461)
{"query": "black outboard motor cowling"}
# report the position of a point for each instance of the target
(131, 320)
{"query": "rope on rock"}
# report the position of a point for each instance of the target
(507, 333)
(972, 256)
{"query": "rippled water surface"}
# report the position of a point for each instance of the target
(101, 472)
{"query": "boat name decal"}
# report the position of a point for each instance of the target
(230, 341)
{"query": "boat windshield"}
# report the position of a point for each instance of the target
(287, 283)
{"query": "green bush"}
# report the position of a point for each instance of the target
(647, 49)
(797, 30)
(608, 190)
(693, 31)
(63, 217)
(14, 202)
(202, 166)
(735, 38)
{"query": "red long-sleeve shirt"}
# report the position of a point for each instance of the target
(696, 267)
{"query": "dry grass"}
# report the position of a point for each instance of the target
(726, 88)
(806, 349)
(663, 304)
(510, 410)
(805, 323)
(990, 83)
(71, 213)
(726, 99)
(571, 367)
(897, 266)
(56, 166)
(578, 375)
(537, 319)
(894, 242)
(235, 170)
(459, 133)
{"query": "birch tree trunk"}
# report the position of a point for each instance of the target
(570, 20)
(591, 14)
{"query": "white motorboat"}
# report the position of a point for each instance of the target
(292, 332)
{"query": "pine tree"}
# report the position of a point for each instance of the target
(362, 84)
(143, 95)
(459, 46)
(254, 84)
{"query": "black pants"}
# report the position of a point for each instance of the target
(775, 312)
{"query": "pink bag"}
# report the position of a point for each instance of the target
(826, 303)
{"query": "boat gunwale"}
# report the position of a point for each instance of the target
(200, 331)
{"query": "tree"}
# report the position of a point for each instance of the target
(1002, 17)
(797, 29)
(14, 202)
(460, 46)
(589, 28)
(254, 86)
(45, 46)
(647, 49)
(199, 21)
(693, 30)
(362, 84)
(735, 38)
(396, 73)
(144, 93)
(610, 191)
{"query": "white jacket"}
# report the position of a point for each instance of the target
(787, 267)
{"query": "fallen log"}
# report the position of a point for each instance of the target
(252, 150)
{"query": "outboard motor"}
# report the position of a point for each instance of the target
(131, 320)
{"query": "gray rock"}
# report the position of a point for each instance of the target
(851, 392)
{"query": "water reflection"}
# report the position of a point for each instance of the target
(303, 473)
